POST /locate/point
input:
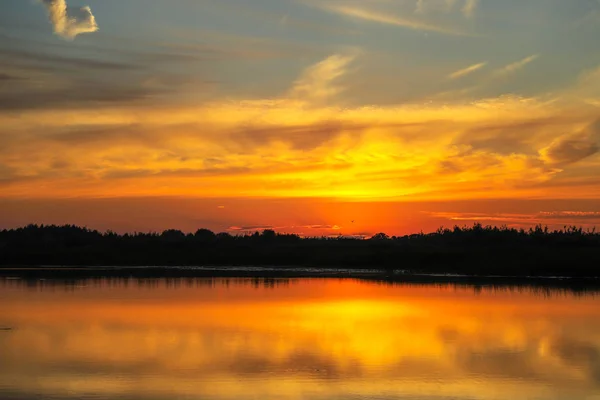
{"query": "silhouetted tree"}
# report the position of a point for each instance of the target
(205, 235)
(224, 236)
(269, 234)
(380, 236)
(469, 250)
(173, 235)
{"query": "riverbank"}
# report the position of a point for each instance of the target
(266, 274)
(477, 251)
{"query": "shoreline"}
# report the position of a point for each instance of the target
(69, 273)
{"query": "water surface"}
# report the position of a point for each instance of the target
(294, 339)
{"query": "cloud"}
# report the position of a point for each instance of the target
(470, 8)
(555, 219)
(330, 227)
(237, 228)
(37, 80)
(571, 148)
(466, 71)
(516, 66)
(300, 137)
(587, 88)
(575, 215)
(8, 77)
(424, 6)
(31, 95)
(389, 19)
(317, 82)
(278, 147)
(69, 22)
(251, 228)
(592, 18)
(45, 60)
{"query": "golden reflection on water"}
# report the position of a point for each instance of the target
(294, 339)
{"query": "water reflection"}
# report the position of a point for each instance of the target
(119, 282)
(295, 339)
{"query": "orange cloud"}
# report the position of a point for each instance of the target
(302, 144)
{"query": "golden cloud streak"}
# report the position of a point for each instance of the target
(301, 146)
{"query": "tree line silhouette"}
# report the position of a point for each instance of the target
(477, 250)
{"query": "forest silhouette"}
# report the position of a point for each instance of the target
(475, 250)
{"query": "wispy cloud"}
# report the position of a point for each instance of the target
(571, 214)
(516, 66)
(256, 228)
(332, 227)
(556, 219)
(253, 228)
(317, 83)
(389, 19)
(587, 88)
(424, 6)
(470, 8)
(466, 71)
(69, 22)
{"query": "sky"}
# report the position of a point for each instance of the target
(315, 117)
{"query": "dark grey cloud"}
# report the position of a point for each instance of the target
(38, 74)
(40, 80)
(62, 61)
(7, 174)
(204, 172)
(572, 148)
(300, 137)
(510, 137)
(74, 97)
(181, 172)
(570, 215)
(91, 135)
(307, 137)
(142, 56)
(250, 228)
(8, 77)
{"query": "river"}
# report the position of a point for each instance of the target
(327, 338)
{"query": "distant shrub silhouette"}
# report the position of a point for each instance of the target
(480, 250)
(380, 236)
(205, 235)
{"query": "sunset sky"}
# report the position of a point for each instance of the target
(299, 115)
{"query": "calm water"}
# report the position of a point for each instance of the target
(294, 339)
